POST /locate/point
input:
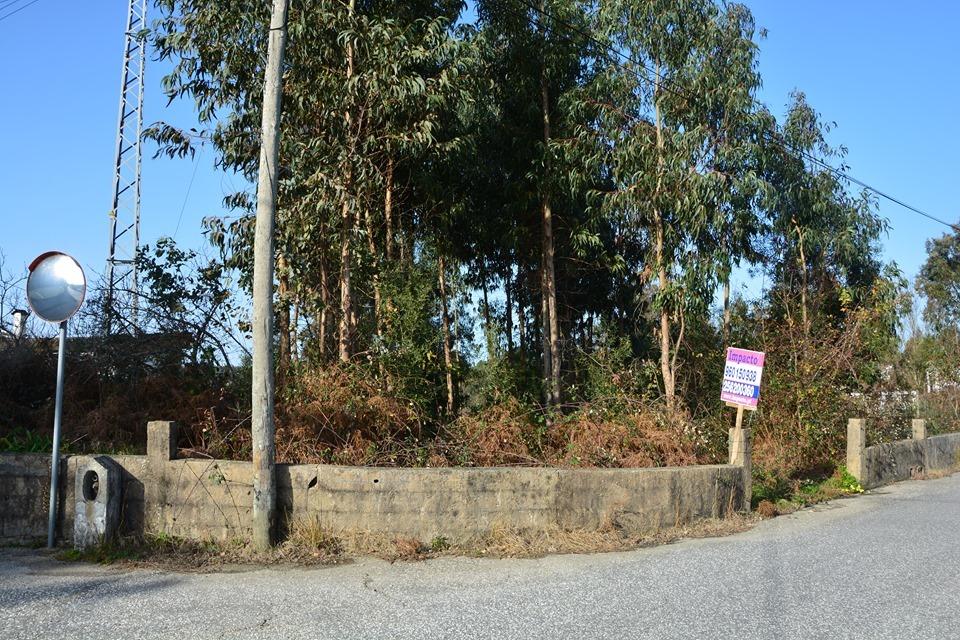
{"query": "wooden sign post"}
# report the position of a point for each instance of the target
(741, 390)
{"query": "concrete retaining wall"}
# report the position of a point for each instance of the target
(211, 499)
(24, 497)
(895, 461)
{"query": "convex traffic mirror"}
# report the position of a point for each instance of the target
(56, 286)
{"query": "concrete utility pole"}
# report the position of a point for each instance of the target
(264, 448)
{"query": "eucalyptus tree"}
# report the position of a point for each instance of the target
(725, 97)
(364, 87)
(935, 353)
(541, 51)
(939, 281)
(823, 240)
(672, 124)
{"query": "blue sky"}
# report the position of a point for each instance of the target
(884, 71)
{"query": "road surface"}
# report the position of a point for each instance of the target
(883, 565)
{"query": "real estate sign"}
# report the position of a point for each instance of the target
(741, 377)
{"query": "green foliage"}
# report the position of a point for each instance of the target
(183, 294)
(846, 481)
(439, 544)
(939, 281)
(789, 495)
(411, 346)
(494, 380)
(612, 372)
(769, 486)
(20, 440)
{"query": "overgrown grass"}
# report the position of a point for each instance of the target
(309, 543)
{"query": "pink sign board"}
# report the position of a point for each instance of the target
(741, 377)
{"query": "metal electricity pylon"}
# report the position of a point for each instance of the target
(125, 210)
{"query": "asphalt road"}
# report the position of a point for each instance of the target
(883, 565)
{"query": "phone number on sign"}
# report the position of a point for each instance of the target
(734, 372)
(738, 388)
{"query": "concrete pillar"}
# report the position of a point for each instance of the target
(740, 456)
(919, 429)
(856, 443)
(161, 443)
(97, 502)
(161, 449)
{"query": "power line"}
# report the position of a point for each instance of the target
(7, 3)
(772, 136)
(18, 10)
(880, 193)
(186, 197)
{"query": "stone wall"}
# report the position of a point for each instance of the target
(211, 499)
(895, 461)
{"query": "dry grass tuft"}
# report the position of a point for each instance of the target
(767, 509)
(511, 543)
(409, 549)
(307, 535)
(935, 475)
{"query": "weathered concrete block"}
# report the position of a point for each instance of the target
(856, 444)
(97, 502)
(942, 452)
(741, 456)
(161, 442)
(919, 428)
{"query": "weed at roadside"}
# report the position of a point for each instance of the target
(774, 495)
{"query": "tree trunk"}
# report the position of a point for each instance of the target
(325, 299)
(294, 338)
(803, 282)
(346, 298)
(521, 320)
(402, 243)
(545, 338)
(455, 330)
(447, 348)
(726, 309)
(488, 330)
(388, 209)
(377, 311)
(551, 324)
(346, 302)
(262, 388)
(666, 370)
(283, 321)
(508, 300)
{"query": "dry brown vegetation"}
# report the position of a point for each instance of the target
(336, 415)
(308, 543)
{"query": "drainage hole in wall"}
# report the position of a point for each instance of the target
(91, 485)
(312, 483)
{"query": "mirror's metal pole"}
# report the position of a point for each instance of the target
(57, 415)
